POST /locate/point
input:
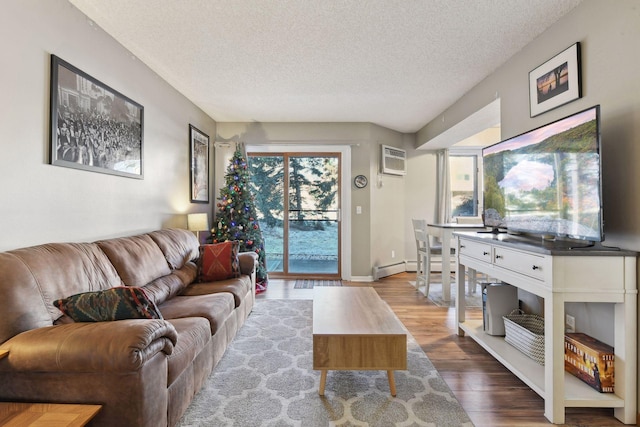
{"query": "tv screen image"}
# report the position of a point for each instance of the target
(547, 181)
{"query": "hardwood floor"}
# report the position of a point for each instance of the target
(491, 395)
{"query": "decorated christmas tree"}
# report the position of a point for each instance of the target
(236, 216)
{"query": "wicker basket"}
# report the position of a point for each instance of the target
(526, 333)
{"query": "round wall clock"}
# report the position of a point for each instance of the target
(360, 181)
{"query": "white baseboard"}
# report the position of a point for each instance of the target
(361, 279)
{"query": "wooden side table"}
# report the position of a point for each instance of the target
(14, 414)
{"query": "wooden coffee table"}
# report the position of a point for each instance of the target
(353, 329)
(46, 414)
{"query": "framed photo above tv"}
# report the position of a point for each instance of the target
(93, 127)
(199, 155)
(556, 82)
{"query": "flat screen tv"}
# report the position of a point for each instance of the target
(547, 181)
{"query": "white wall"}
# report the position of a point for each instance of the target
(388, 207)
(420, 194)
(609, 33)
(379, 229)
(44, 203)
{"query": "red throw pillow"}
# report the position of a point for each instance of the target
(218, 261)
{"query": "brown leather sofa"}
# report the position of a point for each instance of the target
(144, 372)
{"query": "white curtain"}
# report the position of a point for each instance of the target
(443, 215)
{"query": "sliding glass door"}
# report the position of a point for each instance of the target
(298, 204)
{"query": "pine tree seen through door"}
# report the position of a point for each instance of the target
(298, 207)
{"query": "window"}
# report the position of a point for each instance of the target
(464, 179)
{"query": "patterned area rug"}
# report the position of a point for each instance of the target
(310, 283)
(266, 379)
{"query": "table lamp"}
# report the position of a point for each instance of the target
(198, 222)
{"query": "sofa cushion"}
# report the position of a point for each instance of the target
(178, 246)
(238, 287)
(193, 335)
(218, 261)
(188, 274)
(165, 287)
(124, 302)
(137, 259)
(215, 308)
(34, 277)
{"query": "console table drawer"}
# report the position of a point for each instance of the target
(524, 263)
(476, 250)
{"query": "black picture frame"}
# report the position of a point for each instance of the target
(93, 127)
(556, 82)
(199, 165)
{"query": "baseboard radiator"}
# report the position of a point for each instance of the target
(435, 266)
(412, 265)
(400, 267)
(388, 270)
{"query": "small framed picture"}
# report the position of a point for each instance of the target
(556, 82)
(93, 127)
(199, 155)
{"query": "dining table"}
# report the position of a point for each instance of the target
(444, 231)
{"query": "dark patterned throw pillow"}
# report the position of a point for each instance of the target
(119, 303)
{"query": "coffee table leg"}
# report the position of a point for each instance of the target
(323, 381)
(392, 383)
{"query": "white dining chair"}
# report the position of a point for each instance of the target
(425, 251)
(423, 255)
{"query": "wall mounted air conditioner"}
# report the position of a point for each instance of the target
(393, 160)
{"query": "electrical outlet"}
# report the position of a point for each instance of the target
(393, 254)
(569, 323)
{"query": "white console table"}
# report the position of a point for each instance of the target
(559, 274)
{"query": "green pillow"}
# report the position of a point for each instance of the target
(123, 302)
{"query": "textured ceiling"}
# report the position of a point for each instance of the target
(396, 63)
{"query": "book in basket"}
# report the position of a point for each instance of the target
(590, 360)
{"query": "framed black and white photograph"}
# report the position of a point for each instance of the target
(199, 154)
(93, 127)
(556, 82)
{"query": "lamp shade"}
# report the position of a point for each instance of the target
(198, 222)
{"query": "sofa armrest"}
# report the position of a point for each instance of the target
(248, 262)
(117, 346)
